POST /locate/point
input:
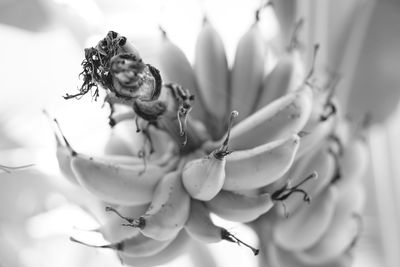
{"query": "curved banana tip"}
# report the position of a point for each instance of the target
(226, 235)
(60, 137)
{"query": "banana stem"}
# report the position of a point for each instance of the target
(287, 191)
(116, 246)
(223, 150)
(226, 235)
(136, 223)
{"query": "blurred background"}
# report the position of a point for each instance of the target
(41, 48)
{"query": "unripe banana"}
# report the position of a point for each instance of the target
(286, 76)
(343, 230)
(168, 211)
(242, 207)
(248, 71)
(305, 227)
(118, 183)
(279, 120)
(203, 178)
(200, 227)
(239, 207)
(212, 73)
(175, 249)
(265, 164)
(175, 68)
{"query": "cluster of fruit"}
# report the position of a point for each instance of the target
(269, 150)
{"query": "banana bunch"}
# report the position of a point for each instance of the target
(324, 232)
(269, 149)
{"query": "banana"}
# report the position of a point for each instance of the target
(242, 207)
(64, 150)
(136, 246)
(343, 230)
(322, 162)
(201, 228)
(119, 184)
(175, 67)
(168, 211)
(212, 73)
(239, 207)
(175, 249)
(260, 166)
(286, 76)
(248, 71)
(280, 119)
(203, 178)
(305, 227)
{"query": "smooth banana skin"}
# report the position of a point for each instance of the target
(168, 211)
(279, 120)
(212, 73)
(304, 228)
(239, 207)
(176, 248)
(119, 184)
(248, 71)
(175, 67)
(343, 230)
(286, 76)
(200, 227)
(323, 163)
(203, 178)
(265, 163)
